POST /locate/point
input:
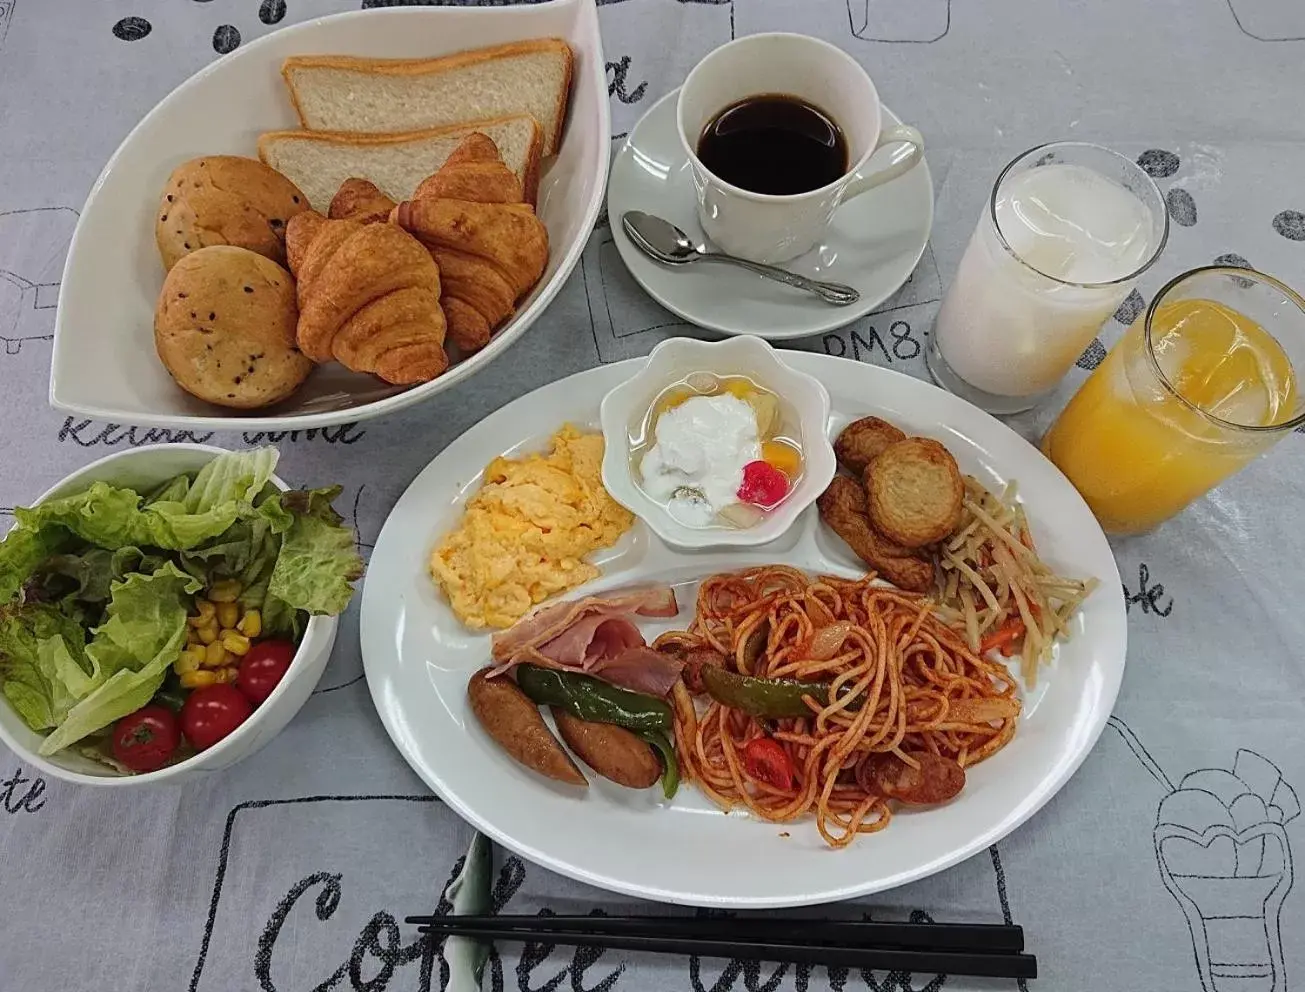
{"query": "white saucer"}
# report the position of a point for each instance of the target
(873, 244)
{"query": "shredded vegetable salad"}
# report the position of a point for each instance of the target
(995, 588)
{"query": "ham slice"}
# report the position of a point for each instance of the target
(591, 639)
(596, 636)
(547, 623)
(640, 669)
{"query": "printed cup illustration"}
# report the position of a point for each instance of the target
(1225, 858)
(1269, 20)
(919, 21)
(33, 244)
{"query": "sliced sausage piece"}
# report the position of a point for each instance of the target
(514, 721)
(694, 661)
(935, 781)
(613, 752)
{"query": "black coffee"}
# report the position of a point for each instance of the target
(774, 144)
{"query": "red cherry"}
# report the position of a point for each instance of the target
(763, 485)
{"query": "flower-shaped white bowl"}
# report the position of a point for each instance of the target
(142, 469)
(624, 408)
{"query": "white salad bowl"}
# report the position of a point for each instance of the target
(142, 469)
(624, 408)
(104, 363)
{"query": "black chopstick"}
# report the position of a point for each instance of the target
(937, 959)
(989, 938)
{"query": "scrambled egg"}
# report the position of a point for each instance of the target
(524, 536)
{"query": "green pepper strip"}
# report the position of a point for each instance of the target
(591, 699)
(670, 764)
(767, 698)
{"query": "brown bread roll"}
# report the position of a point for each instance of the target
(225, 200)
(224, 327)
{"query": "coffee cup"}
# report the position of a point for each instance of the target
(766, 227)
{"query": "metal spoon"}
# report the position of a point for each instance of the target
(664, 242)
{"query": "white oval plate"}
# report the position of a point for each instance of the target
(104, 362)
(874, 242)
(418, 658)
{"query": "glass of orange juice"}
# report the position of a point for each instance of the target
(1204, 380)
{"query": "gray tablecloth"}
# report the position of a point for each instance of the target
(288, 871)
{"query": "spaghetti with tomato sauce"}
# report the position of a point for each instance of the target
(834, 697)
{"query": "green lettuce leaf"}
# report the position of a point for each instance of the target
(245, 551)
(113, 518)
(234, 477)
(179, 516)
(318, 561)
(122, 693)
(55, 680)
(146, 614)
(43, 667)
(280, 619)
(87, 577)
(172, 491)
(130, 652)
(23, 549)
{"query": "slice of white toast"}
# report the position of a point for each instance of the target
(378, 96)
(319, 161)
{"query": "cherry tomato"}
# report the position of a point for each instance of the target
(211, 713)
(767, 761)
(763, 485)
(263, 668)
(145, 740)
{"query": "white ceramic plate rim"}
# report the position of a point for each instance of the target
(522, 321)
(383, 615)
(833, 318)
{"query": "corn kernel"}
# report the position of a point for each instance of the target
(215, 655)
(228, 614)
(198, 680)
(251, 624)
(236, 643)
(186, 662)
(227, 674)
(192, 636)
(208, 633)
(205, 609)
(226, 591)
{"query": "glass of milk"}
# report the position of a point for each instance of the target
(1069, 228)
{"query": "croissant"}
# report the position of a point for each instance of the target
(360, 200)
(368, 297)
(474, 171)
(489, 245)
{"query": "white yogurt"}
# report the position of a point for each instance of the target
(696, 464)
